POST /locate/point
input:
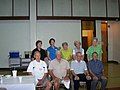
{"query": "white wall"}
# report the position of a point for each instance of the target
(113, 41)
(17, 35)
(14, 35)
(61, 30)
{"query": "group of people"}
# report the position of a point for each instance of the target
(63, 65)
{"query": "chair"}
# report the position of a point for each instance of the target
(83, 83)
(14, 59)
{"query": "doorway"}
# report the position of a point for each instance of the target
(88, 32)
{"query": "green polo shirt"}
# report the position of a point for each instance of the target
(92, 49)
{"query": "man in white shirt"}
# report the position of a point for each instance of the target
(80, 72)
(38, 69)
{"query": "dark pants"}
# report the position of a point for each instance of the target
(82, 77)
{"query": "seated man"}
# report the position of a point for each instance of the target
(38, 68)
(96, 70)
(80, 72)
(59, 71)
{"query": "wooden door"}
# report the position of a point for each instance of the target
(104, 35)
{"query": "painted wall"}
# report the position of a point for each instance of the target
(113, 41)
(14, 35)
(61, 30)
(17, 35)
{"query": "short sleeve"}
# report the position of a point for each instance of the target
(72, 65)
(83, 52)
(45, 67)
(85, 66)
(30, 67)
(68, 66)
(87, 52)
(73, 52)
(51, 65)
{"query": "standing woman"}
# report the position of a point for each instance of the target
(42, 51)
(77, 48)
(66, 52)
(95, 47)
(51, 50)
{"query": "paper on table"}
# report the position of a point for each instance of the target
(66, 83)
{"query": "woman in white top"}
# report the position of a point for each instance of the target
(77, 48)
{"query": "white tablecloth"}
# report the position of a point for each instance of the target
(10, 83)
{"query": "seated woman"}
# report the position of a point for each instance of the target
(97, 72)
(38, 68)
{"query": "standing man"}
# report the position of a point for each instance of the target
(95, 47)
(97, 72)
(38, 69)
(51, 50)
(59, 70)
(80, 72)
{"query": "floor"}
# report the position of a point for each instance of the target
(112, 71)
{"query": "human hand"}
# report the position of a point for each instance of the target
(95, 78)
(88, 77)
(76, 78)
(66, 78)
(40, 81)
(103, 77)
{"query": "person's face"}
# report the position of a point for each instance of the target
(95, 56)
(65, 47)
(79, 56)
(37, 56)
(39, 45)
(95, 42)
(52, 43)
(58, 56)
(78, 44)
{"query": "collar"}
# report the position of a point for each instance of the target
(78, 62)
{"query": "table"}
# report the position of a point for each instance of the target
(11, 83)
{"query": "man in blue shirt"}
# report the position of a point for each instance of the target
(96, 70)
(52, 49)
(80, 72)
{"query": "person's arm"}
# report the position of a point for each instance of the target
(29, 73)
(48, 55)
(45, 75)
(88, 77)
(51, 74)
(75, 75)
(93, 75)
(30, 68)
(67, 75)
(87, 73)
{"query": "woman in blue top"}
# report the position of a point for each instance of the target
(52, 49)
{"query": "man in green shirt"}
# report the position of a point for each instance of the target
(95, 47)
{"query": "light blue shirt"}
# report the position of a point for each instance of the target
(78, 67)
